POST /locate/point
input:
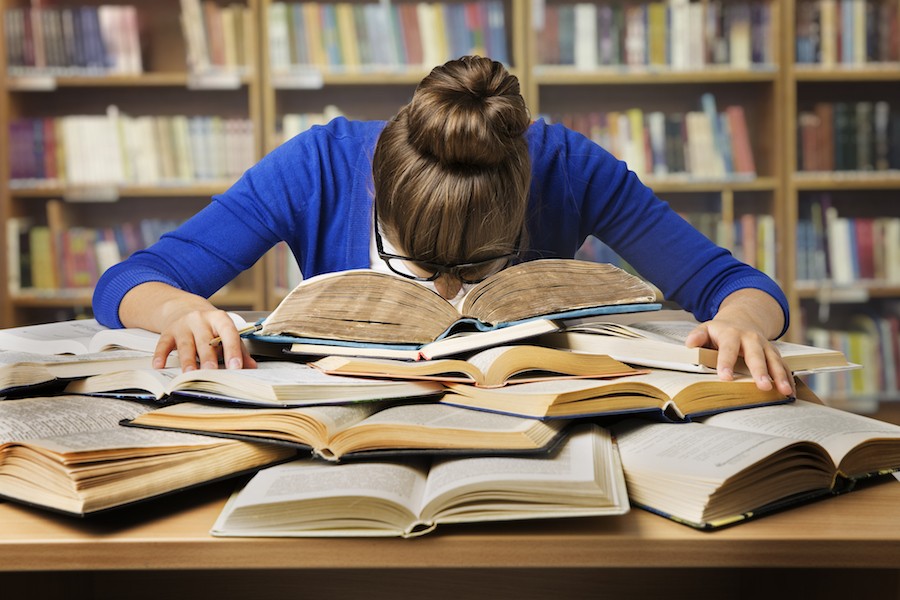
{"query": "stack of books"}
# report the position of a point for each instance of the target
(367, 422)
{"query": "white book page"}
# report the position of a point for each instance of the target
(123, 438)
(46, 417)
(838, 431)
(262, 503)
(64, 337)
(280, 374)
(133, 339)
(691, 450)
(333, 418)
(498, 481)
(453, 417)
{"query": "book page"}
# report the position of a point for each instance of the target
(321, 421)
(276, 373)
(139, 383)
(123, 438)
(693, 451)
(131, 338)
(47, 417)
(64, 337)
(562, 477)
(452, 417)
(838, 431)
(361, 306)
(552, 286)
(307, 497)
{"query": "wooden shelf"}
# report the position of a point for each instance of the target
(836, 74)
(121, 192)
(859, 291)
(48, 82)
(553, 75)
(679, 185)
(846, 180)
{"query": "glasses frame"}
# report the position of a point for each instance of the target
(439, 269)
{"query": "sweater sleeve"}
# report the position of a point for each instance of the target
(617, 208)
(309, 192)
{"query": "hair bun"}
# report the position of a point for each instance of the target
(467, 112)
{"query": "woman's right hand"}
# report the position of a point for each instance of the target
(187, 323)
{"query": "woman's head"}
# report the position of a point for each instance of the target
(451, 169)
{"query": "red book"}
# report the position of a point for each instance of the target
(412, 37)
(809, 143)
(825, 138)
(865, 248)
(741, 149)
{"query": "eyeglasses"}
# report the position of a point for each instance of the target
(469, 272)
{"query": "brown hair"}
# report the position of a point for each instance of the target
(451, 169)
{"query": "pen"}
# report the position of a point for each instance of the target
(218, 340)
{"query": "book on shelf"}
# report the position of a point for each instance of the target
(494, 367)
(335, 432)
(582, 477)
(364, 306)
(69, 454)
(660, 344)
(766, 459)
(21, 372)
(668, 395)
(271, 384)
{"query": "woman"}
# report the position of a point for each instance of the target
(463, 183)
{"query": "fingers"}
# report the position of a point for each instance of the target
(698, 337)
(164, 347)
(191, 335)
(234, 354)
(761, 358)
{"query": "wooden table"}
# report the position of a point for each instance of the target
(842, 547)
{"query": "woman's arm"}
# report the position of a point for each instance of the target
(188, 323)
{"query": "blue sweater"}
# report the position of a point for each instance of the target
(315, 193)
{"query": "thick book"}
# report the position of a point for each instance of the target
(660, 344)
(494, 367)
(364, 306)
(272, 384)
(766, 459)
(69, 454)
(20, 372)
(333, 432)
(670, 395)
(582, 477)
(459, 343)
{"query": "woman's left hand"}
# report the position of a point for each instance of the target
(742, 327)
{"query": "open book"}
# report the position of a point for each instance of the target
(80, 336)
(494, 367)
(335, 431)
(581, 478)
(661, 344)
(69, 453)
(364, 306)
(272, 384)
(765, 458)
(675, 395)
(20, 372)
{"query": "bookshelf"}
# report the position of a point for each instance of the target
(122, 107)
(778, 60)
(664, 66)
(304, 83)
(843, 78)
